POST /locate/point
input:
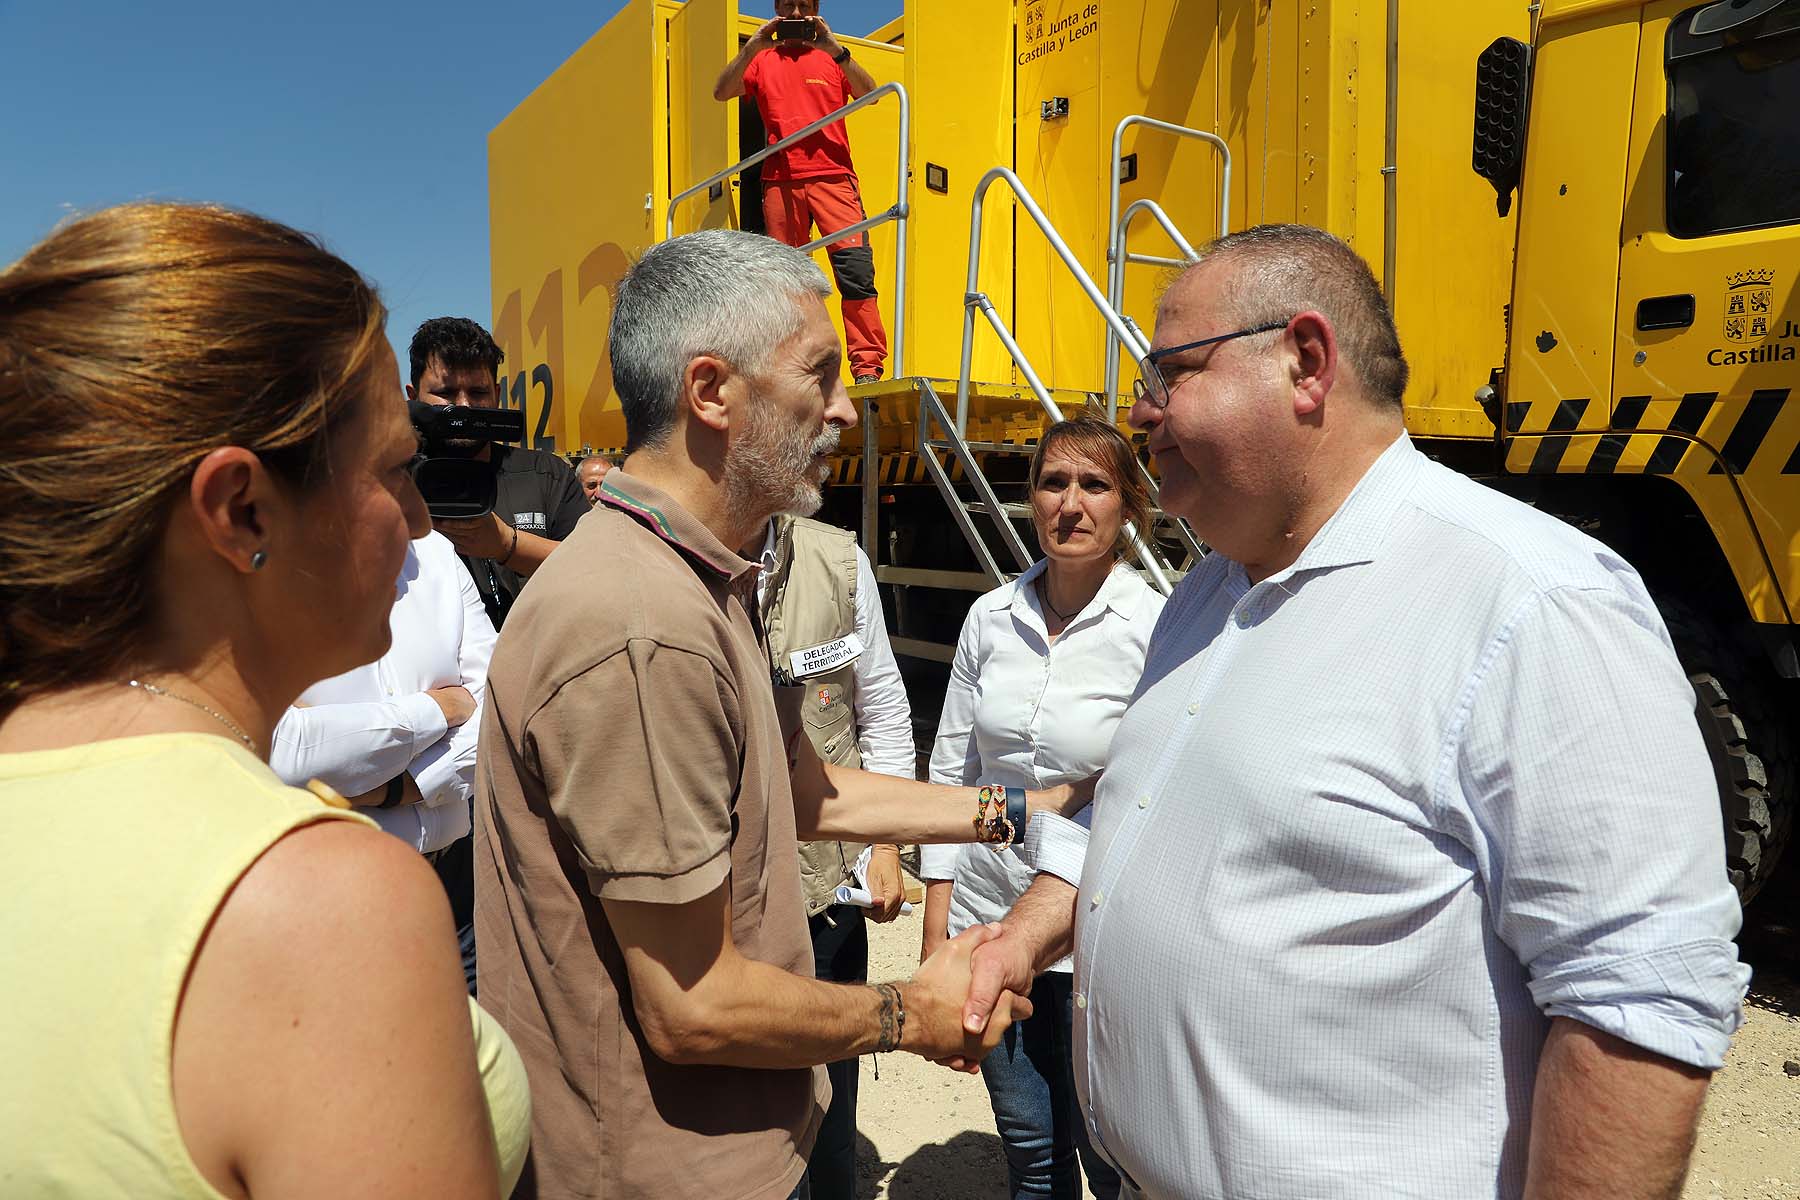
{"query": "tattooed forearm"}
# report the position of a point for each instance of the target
(892, 1017)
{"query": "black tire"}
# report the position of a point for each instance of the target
(1749, 739)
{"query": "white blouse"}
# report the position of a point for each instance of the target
(1021, 711)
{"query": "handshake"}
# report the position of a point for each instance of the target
(965, 995)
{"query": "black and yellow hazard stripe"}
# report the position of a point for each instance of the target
(1550, 450)
(1662, 448)
(892, 470)
(1625, 416)
(1747, 436)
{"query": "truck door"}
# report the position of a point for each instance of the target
(1709, 314)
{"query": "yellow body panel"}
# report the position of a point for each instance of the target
(1062, 162)
(701, 41)
(965, 129)
(1452, 254)
(571, 197)
(1566, 280)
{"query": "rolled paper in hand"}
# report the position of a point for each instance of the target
(860, 897)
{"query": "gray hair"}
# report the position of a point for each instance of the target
(713, 292)
(1286, 269)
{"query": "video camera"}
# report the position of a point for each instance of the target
(456, 486)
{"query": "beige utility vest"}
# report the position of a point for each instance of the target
(809, 600)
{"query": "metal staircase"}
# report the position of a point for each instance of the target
(940, 449)
(1170, 547)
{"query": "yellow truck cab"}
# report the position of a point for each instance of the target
(1035, 168)
(1653, 339)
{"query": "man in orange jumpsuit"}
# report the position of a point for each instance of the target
(793, 83)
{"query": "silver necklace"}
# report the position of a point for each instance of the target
(214, 713)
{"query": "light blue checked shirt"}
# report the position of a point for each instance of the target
(1366, 827)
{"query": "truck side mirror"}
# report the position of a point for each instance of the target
(1502, 89)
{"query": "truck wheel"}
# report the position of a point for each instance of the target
(1750, 743)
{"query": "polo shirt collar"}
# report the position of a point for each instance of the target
(1356, 532)
(653, 508)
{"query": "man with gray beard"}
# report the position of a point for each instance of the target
(638, 897)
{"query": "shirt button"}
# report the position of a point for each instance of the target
(1080, 1000)
(1143, 802)
(1099, 898)
(1193, 708)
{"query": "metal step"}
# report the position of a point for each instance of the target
(1025, 448)
(1016, 509)
(961, 581)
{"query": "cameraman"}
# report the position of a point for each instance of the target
(455, 361)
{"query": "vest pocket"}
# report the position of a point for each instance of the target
(828, 724)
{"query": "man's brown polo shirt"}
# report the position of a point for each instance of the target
(630, 750)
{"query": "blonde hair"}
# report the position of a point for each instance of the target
(134, 342)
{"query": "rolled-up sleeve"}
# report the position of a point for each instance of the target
(1056, 846)
(641, 754)
(1595, 824)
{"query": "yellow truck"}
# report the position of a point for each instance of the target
(1035, 167)
(1653, 339)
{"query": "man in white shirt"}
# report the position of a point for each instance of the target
(1407, 876)
(398, 735)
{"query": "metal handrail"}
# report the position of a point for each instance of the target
(973, 298)
(1117, 256)
(931, 408)
(1182, 533)
(1188, 253)
(1117, 226)
(897, 213)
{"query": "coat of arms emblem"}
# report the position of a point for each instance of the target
(1749, 303)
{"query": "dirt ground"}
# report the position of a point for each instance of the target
(927, 1134)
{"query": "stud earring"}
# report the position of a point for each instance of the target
(258, 560)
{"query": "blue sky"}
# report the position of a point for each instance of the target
(365, 123)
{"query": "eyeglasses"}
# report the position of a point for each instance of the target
(1153, 387)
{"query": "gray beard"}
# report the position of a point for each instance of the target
(768, 471)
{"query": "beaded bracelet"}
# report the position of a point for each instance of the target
(987, 797)
(993, 826)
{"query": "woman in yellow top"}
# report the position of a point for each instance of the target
(214, 985)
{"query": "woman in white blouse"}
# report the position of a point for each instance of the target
(1043, 671)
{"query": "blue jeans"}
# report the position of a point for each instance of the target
(1030, 1078)
(840, 941)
